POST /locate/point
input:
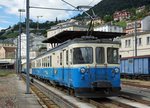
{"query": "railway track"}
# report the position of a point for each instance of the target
(50, 99)
(109, 103)
(136, 100)
(134, 84)
(53, 102)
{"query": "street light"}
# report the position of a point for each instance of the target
(38, 22)
(19, 41)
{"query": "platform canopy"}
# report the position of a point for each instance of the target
(66, 35)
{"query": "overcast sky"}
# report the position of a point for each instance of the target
(9, 10)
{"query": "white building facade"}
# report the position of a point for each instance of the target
(108, 27)
(142, 25)
(35, 44)
(128, 45)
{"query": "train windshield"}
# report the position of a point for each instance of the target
(83, 55)
(112, 56)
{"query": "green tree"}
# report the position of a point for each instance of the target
(108, 18)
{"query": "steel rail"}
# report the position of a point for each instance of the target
(47, 91)
(135, 85)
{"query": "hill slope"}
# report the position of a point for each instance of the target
(110, 6)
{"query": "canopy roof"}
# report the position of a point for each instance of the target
(66, 35)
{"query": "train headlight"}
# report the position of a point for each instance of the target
(116, 70)
(82, 70)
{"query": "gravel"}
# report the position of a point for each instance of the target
(7, 92)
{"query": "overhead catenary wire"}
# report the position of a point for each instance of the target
(78, 8)
(53, 8)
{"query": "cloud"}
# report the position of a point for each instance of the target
(0, 7)
(5, 17)
(4, 21)
(13, 6)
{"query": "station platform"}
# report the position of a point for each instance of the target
(13, 94)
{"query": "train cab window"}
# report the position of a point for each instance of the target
(60, 58)
(83, 55)
(67, 57)
(100, 55)
(112, 56)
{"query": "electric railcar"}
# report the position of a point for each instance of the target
(88, 67)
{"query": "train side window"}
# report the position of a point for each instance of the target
(100, 55)
(43, 62)
(50, 61)
(67, 57)
(40, 63)
(60, 58)
(71, 56)
(46, 61)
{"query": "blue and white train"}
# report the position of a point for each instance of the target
(88, 67)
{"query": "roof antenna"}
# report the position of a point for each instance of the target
(80, 9)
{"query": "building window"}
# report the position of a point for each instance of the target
(148, 40)
(139, 41)
(127, 43)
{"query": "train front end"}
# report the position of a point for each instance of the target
(96, 71)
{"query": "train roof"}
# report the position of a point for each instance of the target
(66, 35)
(83, 39)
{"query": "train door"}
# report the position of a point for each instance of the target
(70, 62)
(100, 72)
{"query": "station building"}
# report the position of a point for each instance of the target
(128, 44)
(71, 25)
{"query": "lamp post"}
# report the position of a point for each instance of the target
(27, 33)
(135, 38)
(19, 41)
(17, 57)
(38, 22)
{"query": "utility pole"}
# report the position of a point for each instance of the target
(38, 22)
(135, 38)
(17, 58)
(27, 33)
(20, 27)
